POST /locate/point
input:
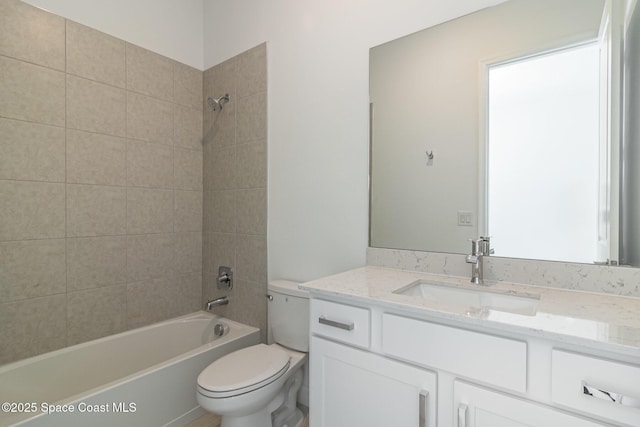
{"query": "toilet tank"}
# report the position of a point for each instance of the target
(288, 311)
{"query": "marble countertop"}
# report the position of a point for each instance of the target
(599, 321)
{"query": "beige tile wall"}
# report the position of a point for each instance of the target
(235, 182)
(101, 183)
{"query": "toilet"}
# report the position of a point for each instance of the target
(258, 386)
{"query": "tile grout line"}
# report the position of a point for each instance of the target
(66, 196)
(126, 194)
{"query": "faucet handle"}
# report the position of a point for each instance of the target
(476, 246)
(486, 245)
(225, 278)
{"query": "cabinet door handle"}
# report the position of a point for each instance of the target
(462, 415)
(333, 323)
(607, 396)
(422, 410)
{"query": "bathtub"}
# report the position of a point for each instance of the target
(143, 377)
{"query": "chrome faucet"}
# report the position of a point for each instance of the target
(479, 248)
(216, 303)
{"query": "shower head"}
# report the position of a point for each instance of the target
(217, 103)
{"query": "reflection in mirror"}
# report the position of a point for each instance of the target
(428, 95)
(630, 172)
(542, 151)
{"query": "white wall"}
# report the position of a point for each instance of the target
(173, 28)
(318, 67)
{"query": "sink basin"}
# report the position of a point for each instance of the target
(471, 297)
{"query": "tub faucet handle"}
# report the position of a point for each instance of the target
(225, 278)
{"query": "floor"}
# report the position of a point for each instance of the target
(207, 420)
(212, 420)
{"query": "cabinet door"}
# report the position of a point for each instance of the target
(351, 387)
(479, 407)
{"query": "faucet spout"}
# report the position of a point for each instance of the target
(216, 303)
(475, 258)
(476, 268)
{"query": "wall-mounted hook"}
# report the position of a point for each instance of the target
(429, 154)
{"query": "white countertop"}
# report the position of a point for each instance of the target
(599, 321)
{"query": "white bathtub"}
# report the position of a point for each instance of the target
(143, 377)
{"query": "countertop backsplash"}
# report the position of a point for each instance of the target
(614, 280)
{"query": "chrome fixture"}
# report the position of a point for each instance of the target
(486, 246)
(216, 303)
(479, 248)
(218, 103)
(225, 278)
(220, 329)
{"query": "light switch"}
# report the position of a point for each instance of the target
(465, 218)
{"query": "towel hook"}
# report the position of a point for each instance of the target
(429, 154)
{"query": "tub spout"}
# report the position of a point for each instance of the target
(216, 302)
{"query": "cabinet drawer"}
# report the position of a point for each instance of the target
(480, 407)
(573, 375)
(340, 322)
(493, 360)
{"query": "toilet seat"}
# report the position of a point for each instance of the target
(243, 371)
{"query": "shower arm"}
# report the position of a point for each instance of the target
(219, 102)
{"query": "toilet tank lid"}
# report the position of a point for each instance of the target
(287, 287)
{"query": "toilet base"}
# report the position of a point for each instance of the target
(288, 414)
(273, 405)
(294, 419)
(260, 418)
(280, 412)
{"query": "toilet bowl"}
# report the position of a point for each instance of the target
(258, 386)
(245, 387)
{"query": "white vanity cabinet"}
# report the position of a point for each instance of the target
(351, 388)
(595, 386)
(480, 407)
(501, 362)
(375, 366)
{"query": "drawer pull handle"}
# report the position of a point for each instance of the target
(340, 325)
(462, 415)
(422, 410)
(605, 395)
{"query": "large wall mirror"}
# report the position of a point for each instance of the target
(508, 123)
